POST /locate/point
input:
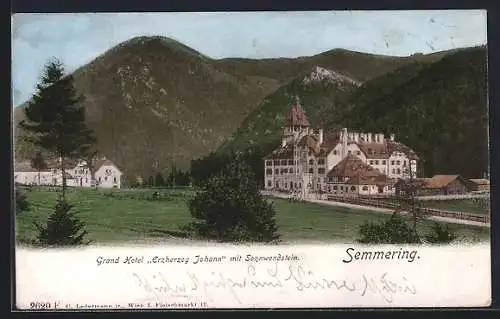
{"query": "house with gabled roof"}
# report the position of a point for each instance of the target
(352, 176)
(306, 155)
(78, 173)
(438, 185)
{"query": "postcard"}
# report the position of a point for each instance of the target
(221, 160)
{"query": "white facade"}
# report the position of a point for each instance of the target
(304, 159)
(106, 174)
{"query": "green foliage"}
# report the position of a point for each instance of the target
(395, 230)
(63, 228)
(22, 203)
(230, 208)
(159, 180)
(264, 126)
(436, 106)
(55, 116)
(38, 162)
(438, 109)
(441, 234)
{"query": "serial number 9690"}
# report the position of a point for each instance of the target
(40, 305)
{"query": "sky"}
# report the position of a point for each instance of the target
(77, 39)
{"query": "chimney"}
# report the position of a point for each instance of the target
(369, 137)
(320, 136)
(392, 137)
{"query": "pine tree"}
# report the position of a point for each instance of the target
(89, 158)
(231, 208)
(159, 180)
(62, 227)
(38, 163)
(22, 203)
(55, 117)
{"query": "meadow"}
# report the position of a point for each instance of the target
(118, 215)
(477, 206)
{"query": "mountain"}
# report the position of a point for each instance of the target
(356, 65)
(153, 101)
(321, 91)
(440, 110)
(438, 107)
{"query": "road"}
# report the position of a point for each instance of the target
(381, 210)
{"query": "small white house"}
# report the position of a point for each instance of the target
(106, 173)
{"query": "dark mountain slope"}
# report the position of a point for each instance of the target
(440, 110)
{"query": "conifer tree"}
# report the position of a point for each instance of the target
(55, 118)
(231, 208)
(38, 163)
(63, 228)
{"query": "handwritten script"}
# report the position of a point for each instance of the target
(293, 276)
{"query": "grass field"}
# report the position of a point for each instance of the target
(128, 215)
(477, 206)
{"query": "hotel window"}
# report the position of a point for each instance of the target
(290, 162)
(398, 162)
(376, 162)
(365, 188)
(392, 162)
(404, 162)
(334, 152)
(399, 171)
(335, 187)
(269, 183)
(329, 188)
(358, 153)
(285, 170)
(383, 162)
(291, 170)
(371, 162)
(276, 162)
(114, 179)
(353, 188)
(105, 178)
(321, 161)
(311, 171)
(269, 171)
(276, 171)
(311, 162)
(295, 185)
(321, 170)
(283, 162)
(393, 171)
(269, 163)
(87, 180)
(349, 152)
(277, 184)
(341, 188)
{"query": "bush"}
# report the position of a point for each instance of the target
(395, 230)
(62, 228)
(22, 203)
(230, 208)
(440, 234)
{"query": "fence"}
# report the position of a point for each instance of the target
(457, 196)
(424, 211)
